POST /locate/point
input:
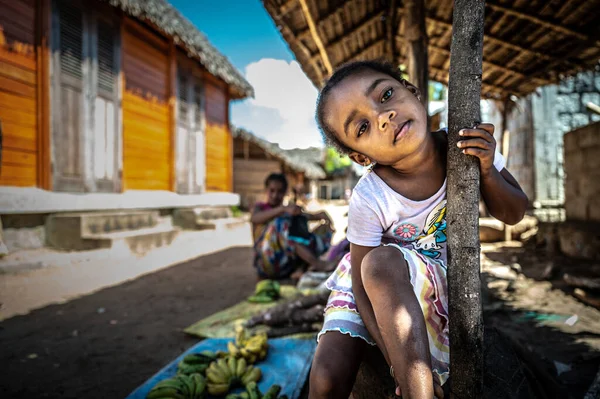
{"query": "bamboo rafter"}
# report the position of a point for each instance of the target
(552, 25)
(315, 35)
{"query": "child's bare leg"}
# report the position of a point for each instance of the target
(399, 320)
(313, 261)
(335, 366)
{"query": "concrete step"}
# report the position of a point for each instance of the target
(68, 231)
(139, 241)
(220, 224)
(201, 218)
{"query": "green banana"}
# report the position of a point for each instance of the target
(162, 392)
(253, 391)
(272, 392)
(222, 365)
(188, 385)
(233, 349)
(244, 395)
(199, 385)
(241, 367)
(216, 376)
(232, 365)
(232, 396)
(218, 389)
(252, 374)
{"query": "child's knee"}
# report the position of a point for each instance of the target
(326, 378)
(384, 265)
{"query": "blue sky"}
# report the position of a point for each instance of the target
(283, 108)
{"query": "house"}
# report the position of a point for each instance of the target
(255, 158)
(340, 175)
(112, 105)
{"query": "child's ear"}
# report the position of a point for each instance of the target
(360, 159)
(412, 88)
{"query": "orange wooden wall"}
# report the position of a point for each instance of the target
(147, 163)
(219, 144)
(18, 93)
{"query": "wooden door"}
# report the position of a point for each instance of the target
(190, 153)
(68, 141)
(104, 120)
(85, 112)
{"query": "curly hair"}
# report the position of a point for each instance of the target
(338, 76)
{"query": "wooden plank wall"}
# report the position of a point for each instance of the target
(249, 178)
(146, 124)
(18, 92)
(219, 143)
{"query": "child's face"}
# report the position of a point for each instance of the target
(275, 193)
(376, 116)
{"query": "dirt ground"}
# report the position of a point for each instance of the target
(106, 344)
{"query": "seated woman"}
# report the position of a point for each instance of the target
(283, 245)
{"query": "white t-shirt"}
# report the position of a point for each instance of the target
(379, 215)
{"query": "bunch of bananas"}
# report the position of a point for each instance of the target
(252, 349)
(224, 374)
(266, 291)
(180, 387)
(252, 392)
(196, 363)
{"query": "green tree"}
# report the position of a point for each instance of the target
(335, 161)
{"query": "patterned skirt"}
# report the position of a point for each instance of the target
(428, 278)
(275, 257)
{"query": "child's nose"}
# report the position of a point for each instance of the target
(385, 118)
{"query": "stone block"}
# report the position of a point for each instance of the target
(576, 209)
(580, 119)
(566, 85)
(590, 98)
(568, 103)
(584, 82)
(597, 82)
(580, 240)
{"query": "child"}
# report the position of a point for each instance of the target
(391, 290)
(278, 251)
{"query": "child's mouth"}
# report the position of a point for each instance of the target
(401, 130)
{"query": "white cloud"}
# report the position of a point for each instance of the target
(282, 87)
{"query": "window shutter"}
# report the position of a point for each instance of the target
(71, 40)
(106, 57)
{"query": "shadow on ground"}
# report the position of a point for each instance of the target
(107, 343)
(560, 353)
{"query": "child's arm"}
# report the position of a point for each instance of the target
(500, 191)
(318, 216)
(261, 217)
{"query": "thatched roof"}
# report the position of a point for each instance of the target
(527, 43)
(298, 163)
(170, 22)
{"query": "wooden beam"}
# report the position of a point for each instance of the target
(288, 6)
(348, 36)
(44, 160)
(495, 40)
(462, 214)
(296, 45)
(357, 55)
(315, 35)
(327, 19)
(488, 87)
(492, 65)
(552, 25)
(391, 26)
(415, 33)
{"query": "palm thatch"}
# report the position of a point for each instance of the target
(295, 162)
(170, 22)
(527, 43)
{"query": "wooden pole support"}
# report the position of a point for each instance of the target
(464, 284)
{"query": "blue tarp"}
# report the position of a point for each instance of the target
(287, 364)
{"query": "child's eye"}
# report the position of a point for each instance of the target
(362, 129)
(387, 94)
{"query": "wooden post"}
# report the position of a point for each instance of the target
(44, 165)
(415, 33)
(464, 284)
